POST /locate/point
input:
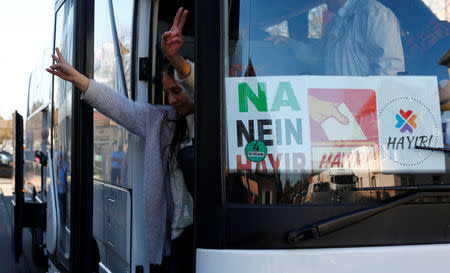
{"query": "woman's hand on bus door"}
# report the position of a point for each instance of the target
(65, 71)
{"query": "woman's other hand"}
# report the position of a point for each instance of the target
(65, 71)
(172, 40)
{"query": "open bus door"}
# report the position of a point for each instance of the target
(18, 186)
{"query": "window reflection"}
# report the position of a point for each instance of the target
(39, 84)
(112, 67)
(439, 8)
(292, 41)
(35, 139)
(283, 41)
(62, 115)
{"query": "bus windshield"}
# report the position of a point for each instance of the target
(329, 101)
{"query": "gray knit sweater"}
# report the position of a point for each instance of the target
(156, 124)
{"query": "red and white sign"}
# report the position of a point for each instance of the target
(346, 136)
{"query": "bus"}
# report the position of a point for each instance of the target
(273, 121)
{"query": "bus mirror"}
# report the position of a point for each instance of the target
(41, 157)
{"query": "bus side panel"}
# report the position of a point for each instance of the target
(98, 220)
(112, 226)
(411, 259)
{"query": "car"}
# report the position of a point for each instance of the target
(6, 160)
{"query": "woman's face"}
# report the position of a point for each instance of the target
(177, 98)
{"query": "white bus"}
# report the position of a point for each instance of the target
(261, 140)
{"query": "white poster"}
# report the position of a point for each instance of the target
(314, 123)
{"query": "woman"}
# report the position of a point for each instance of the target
(168, 133)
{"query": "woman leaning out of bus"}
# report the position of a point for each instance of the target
(168, 133)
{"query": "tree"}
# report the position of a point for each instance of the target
(5, 130)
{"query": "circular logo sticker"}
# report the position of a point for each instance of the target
(255, 151)
(408, 123)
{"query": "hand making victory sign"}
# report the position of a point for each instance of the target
(172, 41)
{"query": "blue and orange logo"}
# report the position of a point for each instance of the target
(405, 121)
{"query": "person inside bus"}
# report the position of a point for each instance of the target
(117, 157)
(362, 38)
(168, 133)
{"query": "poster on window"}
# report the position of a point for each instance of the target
(316, 123)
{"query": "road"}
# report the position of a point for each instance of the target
(7, 264)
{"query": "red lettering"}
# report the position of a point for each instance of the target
(358, 159)
(275, 163)
(243, 167)
(325, 161)
(344, 160)
(337, 160)
(261, 166)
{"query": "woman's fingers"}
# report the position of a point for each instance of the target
(182, 20)
(55, 58)
(164, 35)
(169, 38)
(51, 71)
(177, 18)
(55, 72)
(175, 39)
(167, 35)
(60, 55)
(57, 66)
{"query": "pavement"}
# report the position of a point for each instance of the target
(7, 263)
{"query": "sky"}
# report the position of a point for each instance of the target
(26, 28)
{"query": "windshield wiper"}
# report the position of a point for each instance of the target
(445, 150)
(324, 227)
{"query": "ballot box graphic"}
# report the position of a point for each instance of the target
(344, 129)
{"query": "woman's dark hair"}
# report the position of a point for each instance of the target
(180, 124)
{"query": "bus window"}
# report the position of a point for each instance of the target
(425, 40)
(316, 94)
(39, 85)
(62, 115)
(112, 51)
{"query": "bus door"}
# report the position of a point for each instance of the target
(310, 88)
(69, 191)
(116, 152)
(127, 58)
(61, 184)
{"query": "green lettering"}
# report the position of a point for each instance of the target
(260, 101)
(285, 88)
